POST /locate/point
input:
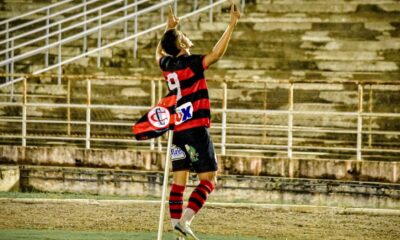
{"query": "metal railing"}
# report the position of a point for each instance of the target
(78, 27)
(360, 120)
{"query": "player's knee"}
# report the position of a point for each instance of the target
(208, 176)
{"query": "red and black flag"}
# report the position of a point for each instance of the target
(158, 120)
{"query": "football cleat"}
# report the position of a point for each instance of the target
(185, 231)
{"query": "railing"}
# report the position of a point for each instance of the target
(15, 37)
(284, 127)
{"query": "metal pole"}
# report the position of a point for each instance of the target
(290, 122)
(265, 119)
(12, 72)
(59, 73)
(135, 41)
(153, 102)
(7, 54)
(242, 6)
(195, 4)
(224, 107)
(162, 14)
(46, 57)
(370, 102)
(85, 27)
(69, 108)
(159, 145)
(211, 12)
(88, 114)
(176, 7)
(165, 186)
(24, 117)
(99, 42)
(126, 22)
(359, 122)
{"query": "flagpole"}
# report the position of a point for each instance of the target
(165, 186)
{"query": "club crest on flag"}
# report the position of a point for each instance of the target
(159, 117)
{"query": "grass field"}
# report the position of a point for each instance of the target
(47, 216)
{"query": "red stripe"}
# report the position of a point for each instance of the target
(199, 85)
(203, 103)
(176, 206)
(201, 122)
(176, 215)
(173, 198)
(183, 74)
(167, 101)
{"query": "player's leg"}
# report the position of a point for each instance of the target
(176, 195)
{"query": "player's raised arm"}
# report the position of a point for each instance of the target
(220, 48)
(172, 22)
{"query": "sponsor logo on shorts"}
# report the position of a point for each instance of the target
(159, 117)
(177, 153)
(184, 113)
(194, 156)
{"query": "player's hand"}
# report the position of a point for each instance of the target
(172, 21)
(235, 14)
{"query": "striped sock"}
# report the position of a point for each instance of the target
(199, 195)
(176, 203)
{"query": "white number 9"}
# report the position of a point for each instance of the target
(173, 83)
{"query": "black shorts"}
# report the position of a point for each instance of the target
(193, 149)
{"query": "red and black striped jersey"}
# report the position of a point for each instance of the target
(185, 74)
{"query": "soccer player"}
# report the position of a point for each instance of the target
(192, 147)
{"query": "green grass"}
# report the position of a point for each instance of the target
(23, 234)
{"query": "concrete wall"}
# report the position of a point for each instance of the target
(154, 161)
(229, 188)
(9, 178)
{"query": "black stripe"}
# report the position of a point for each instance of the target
(176, 194)
(175, 202)
(197, 202)
(199, 94)
(175, 211)
(205, 188)
(201, 193)
(190, 81)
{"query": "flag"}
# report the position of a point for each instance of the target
(158, 119)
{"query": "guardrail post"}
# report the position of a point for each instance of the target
(7, 53)
(265, 118)
(99, 42)
(242, 5)
(195, 4)
(370, 108)
(153, 102)
(159, 144)
(290, 122)
(12, 71)
(59, 53)
(69, 108)
(135, 41)
(211, 12)
(85, 26)
(24, 117)
(224, 107)
(126, 22)
(161, 13)
(89, 93)
(46, 57)
(359, 122)
(176, 7)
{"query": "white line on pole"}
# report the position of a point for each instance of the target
(165, 186)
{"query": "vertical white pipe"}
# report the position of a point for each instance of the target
(290, 122)
(135, 41)
(85, 26)
(12, 72)
(359, 122)
(69, 108)
(46, 57)
(224, 107)
(370, 109)
(211, 12)
(59, 54)
(24, 113)
(89, 93)
(126, 22)
(7, 53)
(99, 42)
(176, 7)
(165, 186)
(159, 145)
(153, 102)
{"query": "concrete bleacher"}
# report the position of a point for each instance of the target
(281, 40)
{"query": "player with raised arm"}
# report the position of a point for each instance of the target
(192, 147)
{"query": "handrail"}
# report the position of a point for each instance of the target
(35, 11)
(56, 24)
(98, 28)
(60, 31)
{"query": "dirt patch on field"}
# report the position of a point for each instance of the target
(243, 221)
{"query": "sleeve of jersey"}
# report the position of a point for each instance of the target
(163, 62)
(197, 63)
